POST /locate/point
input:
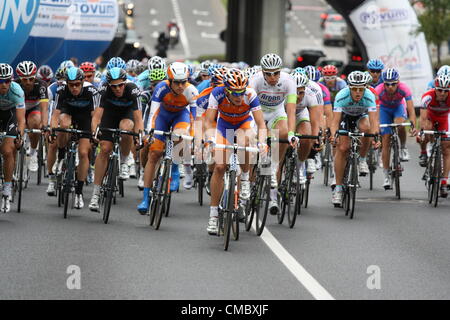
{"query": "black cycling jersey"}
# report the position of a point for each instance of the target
(86, 101)
(129, 101)
(36, 95)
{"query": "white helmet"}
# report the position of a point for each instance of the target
(249, 72)
(444, 70)
(442, 82)
(26, 69)
(178, 71)
(66, 64)
(6, 71)
(271, 61)
(204, 66)
(132, 65)
(301, 79)
(357, 78)
(156, 62)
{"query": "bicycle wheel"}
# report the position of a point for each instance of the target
(168, 199)
(40, 157)
(284, 188)
(162, 195)
(109, 188)
(59, 188)
(430, 177)
(249, 209)
(326, 164)
(437, 176)
(21, 180)
(354, 185)
(396, 167)
(229, 209)
(155, 189)
(306, 190)
(346, 190)
(68, 180)
(263, 204)
(234, 214)
(294, 202)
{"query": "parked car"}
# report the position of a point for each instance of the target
(335, 30)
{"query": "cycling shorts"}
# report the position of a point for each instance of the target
(111, 120)
(350, 123)
(33, 110)
(81, 120)
(225, 131)
(442, 120)
(166, 121)
(8, 122)
(302, 116)
(272, 118)
(387, 116)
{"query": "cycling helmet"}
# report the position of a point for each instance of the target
(67, 64)
(271, 61)
(329, 70)
(156, 62)
(116, 62)
(116, 74)
(45, 73)
(191, 70)
(218, 75)
(444, 70)
(298, 70)
(312, 73)
(249, 72)
(214, 66)
(178, 71)
(357, 79)
(157, 75)
(204, 66)
(132, 65)
(61, 74)
(390, 74)
(375, 64)
(257, 67)
(301, 80)
(87, 67)
(74, 73)
(6, 71)
(442, 82)
(26, 69)
(235, 79)
(140, 68)
(242, 65)
(369, 78)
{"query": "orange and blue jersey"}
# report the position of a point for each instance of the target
(232, 117)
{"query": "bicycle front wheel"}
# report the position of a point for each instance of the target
(162, 196)
(263, 204)
(21, 179)
(353, 187)
(437, 176)
(230, 205)
(294, 197)
(109, 188)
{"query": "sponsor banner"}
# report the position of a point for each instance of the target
(16, 21)
(387, 29)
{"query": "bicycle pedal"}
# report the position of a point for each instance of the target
(337, 205)
(387, 188)
(362, 174)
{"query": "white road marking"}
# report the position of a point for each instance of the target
(155, 34)
(200, 13)
(209, 35)
(205, 23)
(300, 273)
(153, 11)
(154, 22)
(183, 37)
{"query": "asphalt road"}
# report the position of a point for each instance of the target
(200, 23)
(406, 241)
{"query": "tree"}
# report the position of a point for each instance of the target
(435, 23)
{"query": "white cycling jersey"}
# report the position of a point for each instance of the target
(317, 91)
(272, 98)
(310, 99)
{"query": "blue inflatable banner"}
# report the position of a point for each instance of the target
(16, 20)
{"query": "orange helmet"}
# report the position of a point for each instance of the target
(87, 67)
(329, 70)
(235, 79)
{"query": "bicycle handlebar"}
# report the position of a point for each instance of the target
(299, 136)
(442, 133)
(355, 134)
(390, 125)
(167, 134)
(226, 146)
(74, 131)
(33, 130)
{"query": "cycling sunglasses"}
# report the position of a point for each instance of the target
(390, 84)
(236, 93)
(30, 79)
(179, 82)
(357, 89)
(299, 92)
(74, 84)
(440, 90)
(119, 85)
(275, 73)
(329, 78)
(374, 71)
(5, 80)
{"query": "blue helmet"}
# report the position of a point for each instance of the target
(74, 73)
(375, 64)
(390, 74)
(116, 62)
(213, 67)
(298, 70)
(115, 74)
(191, 70)
(312, 73)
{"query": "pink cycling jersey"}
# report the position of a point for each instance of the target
(393, 101)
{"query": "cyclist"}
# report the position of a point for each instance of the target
(120, 108)
(332, 81)
(88, 69)
(392, 110)
(205, 81)
(75, 102)
(308, 105)
(436, 108)
(354, 107)
(155, 62)
(172, 104)
(375, 67)
(131, 67)
(52, 149)
(156, 76)
(12, 121)
(36, 103)
(231, 104)
(444, 70)
(203, 75)
(45, 73)
(277, 95)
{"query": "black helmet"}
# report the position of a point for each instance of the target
(115, 74)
